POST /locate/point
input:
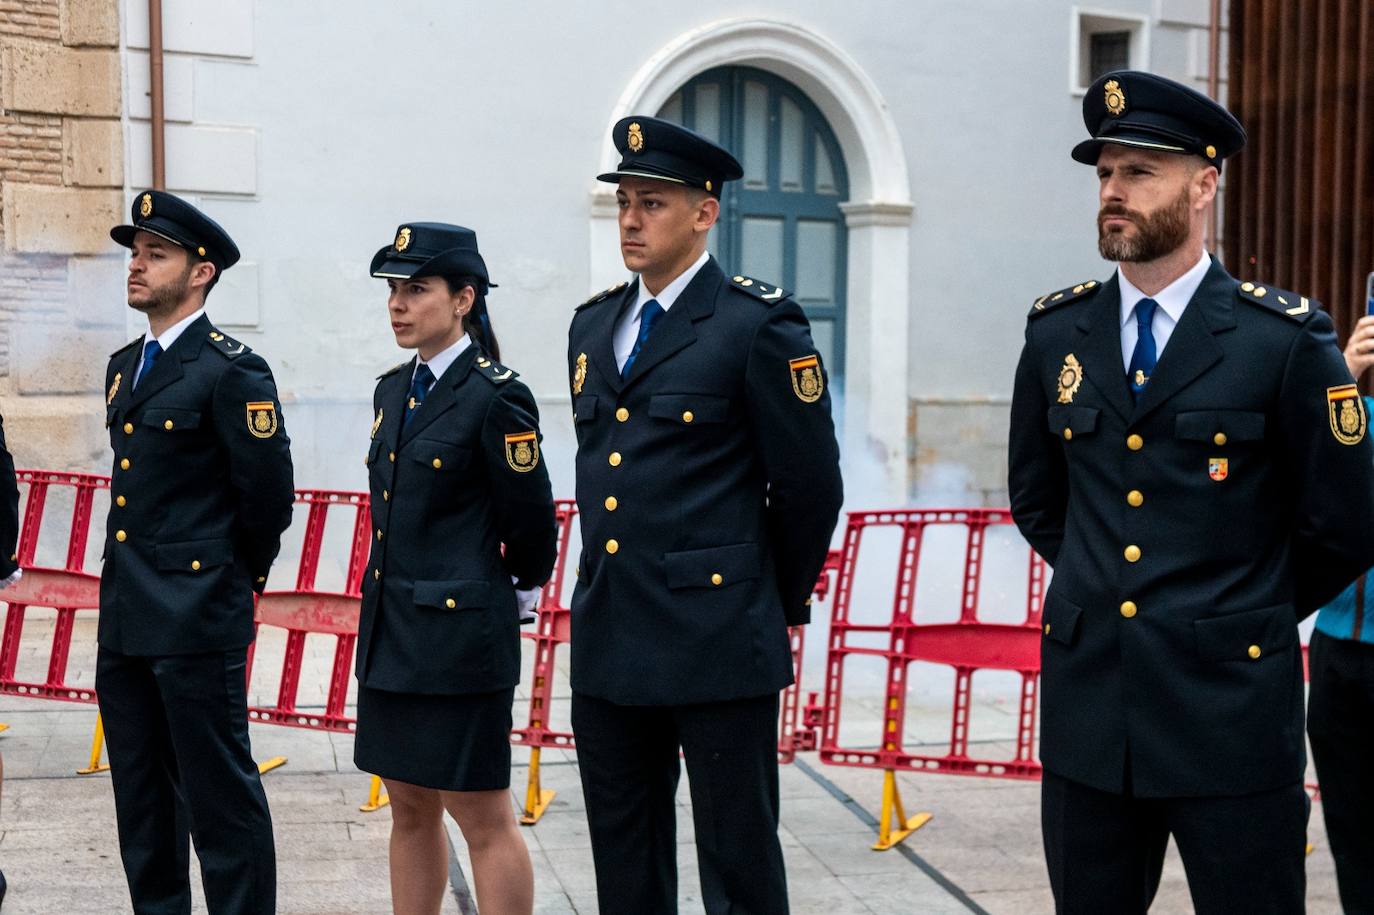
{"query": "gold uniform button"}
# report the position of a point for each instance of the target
(391, 456)
(261, 579)
(1068, 435)
(124, 464)
(376, 574)
(128, 428)
(450, 603)
(1219, 438)
(168, 425)
(1211, 151)
(121, 536)
(1253, 651)
(622, 414)
(379, 533)
(437, 463)
(386, 496)
(717, 578)
(612, 503)
(1247, 287)
(1047, 629)
(1135, 498)
(615, 459)
(1134, 442)
(120, 501)
(195, 565)
(612, 546)
(688, 416)
(1132, 553)
(1128, 609)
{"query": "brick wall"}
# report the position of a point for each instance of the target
(40, 19)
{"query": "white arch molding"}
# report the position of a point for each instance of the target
(878, 215)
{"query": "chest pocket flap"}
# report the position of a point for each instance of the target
(713, 567)
(689, 408)
(1206, 425)
(171, 419)
(463, 594)
(438, 455)
(584, 408)
(1077, 420)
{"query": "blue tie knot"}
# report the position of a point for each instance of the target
(648, 315)
(151, 350)
(1145, 313)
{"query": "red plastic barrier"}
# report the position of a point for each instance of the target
(966, 645)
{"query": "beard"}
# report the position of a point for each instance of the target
(1157, 234)
(165, 298)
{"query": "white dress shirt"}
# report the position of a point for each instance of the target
(1172, 299)
(627, 327)
(169, 336)
(442, 359)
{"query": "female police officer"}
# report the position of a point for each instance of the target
(455, 473)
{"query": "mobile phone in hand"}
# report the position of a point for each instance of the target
(1369, 294)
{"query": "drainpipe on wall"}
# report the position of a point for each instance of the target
(155, 93)
(1213, 87)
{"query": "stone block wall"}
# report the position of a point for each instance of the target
(61, 180)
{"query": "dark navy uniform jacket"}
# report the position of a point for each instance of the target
(708, 485)
(200, 493)
(1189, 533)
(463, 479)
(9, 510)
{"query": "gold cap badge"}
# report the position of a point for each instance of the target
(636, 138)
(403, 239)
(1070, 377)
(1115, 97)
(145, 209)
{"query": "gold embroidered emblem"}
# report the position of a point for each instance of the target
(1070, 377)
(1217, 468)
(262, 418)
(807, 381)
(1115, 98)
(403, 239)
(579, 374)
(145, 208)
(636, 138)
(1345, 409)
(114, 389)
(377, 423)
(522, 451)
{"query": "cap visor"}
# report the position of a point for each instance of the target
(614, 177)
(124, 235)
(1088, 151)
(396, 269)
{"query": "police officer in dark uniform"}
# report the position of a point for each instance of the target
(1189, 453)
(200, 494)
(708, 486)
(9, 544)
(463, 535)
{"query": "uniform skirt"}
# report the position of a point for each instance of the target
(452, 743)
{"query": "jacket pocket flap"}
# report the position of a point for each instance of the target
(439, 455)
(709, 568)
(1204, 425)
(171, 419)
(192, 555)
(463, 594)
(1060, 620)
(1247, 636)
(689, 408)
(1079, 420)
(584, 408)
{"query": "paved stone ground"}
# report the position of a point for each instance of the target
(981, 851)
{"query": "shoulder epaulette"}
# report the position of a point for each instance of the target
(1289, 304)
(604, 294)
(126, 347)
(493, 371)
(227, 346)
(764, 292)
(1053, 299)
(393, 370)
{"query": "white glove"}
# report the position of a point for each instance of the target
(526, 603)
(13, 579)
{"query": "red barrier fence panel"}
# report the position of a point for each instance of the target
(966, 645)
(66, 589)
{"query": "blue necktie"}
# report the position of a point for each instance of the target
(1144, 358)
(647, 317)
(424, 377)
(150, 354)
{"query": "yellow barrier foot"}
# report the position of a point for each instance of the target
(892, 815)
(375, 799)
(537, 798)
(97, 746)
(267, 765)
(4, 727)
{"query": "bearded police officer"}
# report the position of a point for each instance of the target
(201, 492)
(1189, 453)
(708, 487)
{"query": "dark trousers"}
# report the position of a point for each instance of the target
(628, 757)
(176, 729)
(1242, 854)
(1340, 722)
